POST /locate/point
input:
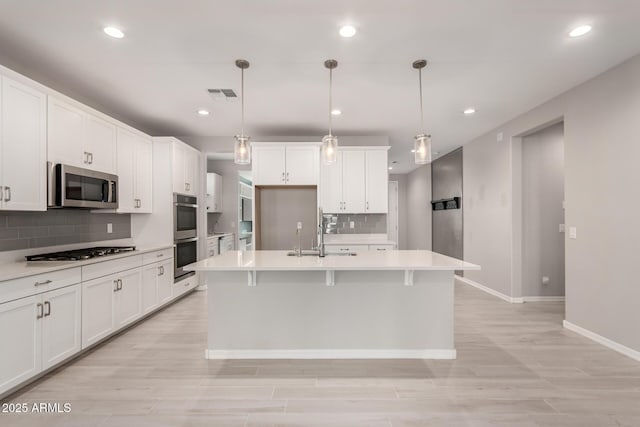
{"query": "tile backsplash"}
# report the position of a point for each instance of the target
(25, 230)
(362, 223)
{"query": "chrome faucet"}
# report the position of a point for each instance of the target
(321, 252)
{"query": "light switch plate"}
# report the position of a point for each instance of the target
(299, 225)
(109, 228)
(573, 233)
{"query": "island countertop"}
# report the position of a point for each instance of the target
(363, 260)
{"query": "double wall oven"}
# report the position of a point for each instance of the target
(185, 234)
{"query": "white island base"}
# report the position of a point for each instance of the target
(376, 306)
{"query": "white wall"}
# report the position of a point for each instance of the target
(542, 197)
(601, 152)
(419, 208)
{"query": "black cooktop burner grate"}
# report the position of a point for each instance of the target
(81, 254)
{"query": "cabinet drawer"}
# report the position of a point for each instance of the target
(185, 285)
(212, 243)
(37, 284)
(345, 248)
(157, 256)
(105, 268)
(381, 247)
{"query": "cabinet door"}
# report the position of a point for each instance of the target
(98, 298)
(128, 298)
(302, 165)
(353, 181)
(217, 193)
(331, 186)
(165, 282)
(143, 182)
(126, 171)
(179, 182)
(269, 165)
(191, 171)
(61, 326)
(377, 182)
(150, 274)
(23, 147)
(65, 129)
(20, 334)
(209, 193)
(100, 143)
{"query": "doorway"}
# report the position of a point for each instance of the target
(392, 215)
(543, 262)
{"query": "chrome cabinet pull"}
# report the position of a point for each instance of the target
(367, 205)
(46, 282)
(47, 306)
(90, 158)
(159, 255)
(115, 282)
(120, 284)
(287, 176)
(159, 271)
(7, 194)
(283, 179)
(40, 313)
(86, 158)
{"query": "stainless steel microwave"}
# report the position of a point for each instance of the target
(73, 187)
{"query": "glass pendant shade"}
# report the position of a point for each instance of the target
(422, 147)
(329, 151)
(242, 150)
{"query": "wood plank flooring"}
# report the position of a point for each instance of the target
(516, 366)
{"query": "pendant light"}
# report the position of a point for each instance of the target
(422, 142)
(242, 149)
(329, 152)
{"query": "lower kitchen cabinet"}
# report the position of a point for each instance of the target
(40, 331)
(128, 304)
(156, 285)
(98, 309)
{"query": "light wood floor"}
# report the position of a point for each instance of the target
(516, 366)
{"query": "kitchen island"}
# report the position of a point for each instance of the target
(374, 304)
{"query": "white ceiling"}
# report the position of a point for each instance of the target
(501, 56)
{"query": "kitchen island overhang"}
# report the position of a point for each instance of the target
(376, 304)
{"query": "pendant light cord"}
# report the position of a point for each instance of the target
(242, 100)
(330, 97)
(421, 102)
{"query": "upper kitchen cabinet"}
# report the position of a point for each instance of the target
(23, 132)
(186, 165)
(135, 173)
(285, 164)
(357, 182)
(79, 138)
(214, 193)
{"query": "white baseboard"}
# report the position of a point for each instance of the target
(629, 352)
(201, 288)
(331, 354)
(544, 299)
(490, 291)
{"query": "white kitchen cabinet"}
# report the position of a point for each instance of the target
(377, 181)
(213, 246)
(214, 193)
(165, 282)
(20, 334)
(135, 174)
(150, 275)
(128, 304)
(356, 183)
(227, 244)
(61, 326)
(40, 331)
(186, 168)
(98, 309)
(285, 164)
(23, 147)
(79, 138)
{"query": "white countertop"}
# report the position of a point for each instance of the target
(218, 235)
(364, 260)
(16, 270)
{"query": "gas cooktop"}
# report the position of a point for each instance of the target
(81, 254)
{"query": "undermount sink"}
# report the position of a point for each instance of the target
(315, 253)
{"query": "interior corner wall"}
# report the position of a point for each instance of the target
(402, 209)
(601, 151)
(419, 208)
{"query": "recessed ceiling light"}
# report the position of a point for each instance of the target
(413, 151)
(203, 112)
(347, 31)
(469, 111)
(390, 167)
(580, 31)
(114, 32)
(336, 112)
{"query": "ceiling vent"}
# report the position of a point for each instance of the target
(223, 94)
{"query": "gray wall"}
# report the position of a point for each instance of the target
(402, 210)
(227, 221)
(419, 208)
(26, 230)
(542, 197)
(601, 152)
(278, 211)
(446, 182)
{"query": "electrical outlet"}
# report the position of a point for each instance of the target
(109, 228)
(573, 233)
(352, 224)
(299, 225)
(545, 280)
(500, 136)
